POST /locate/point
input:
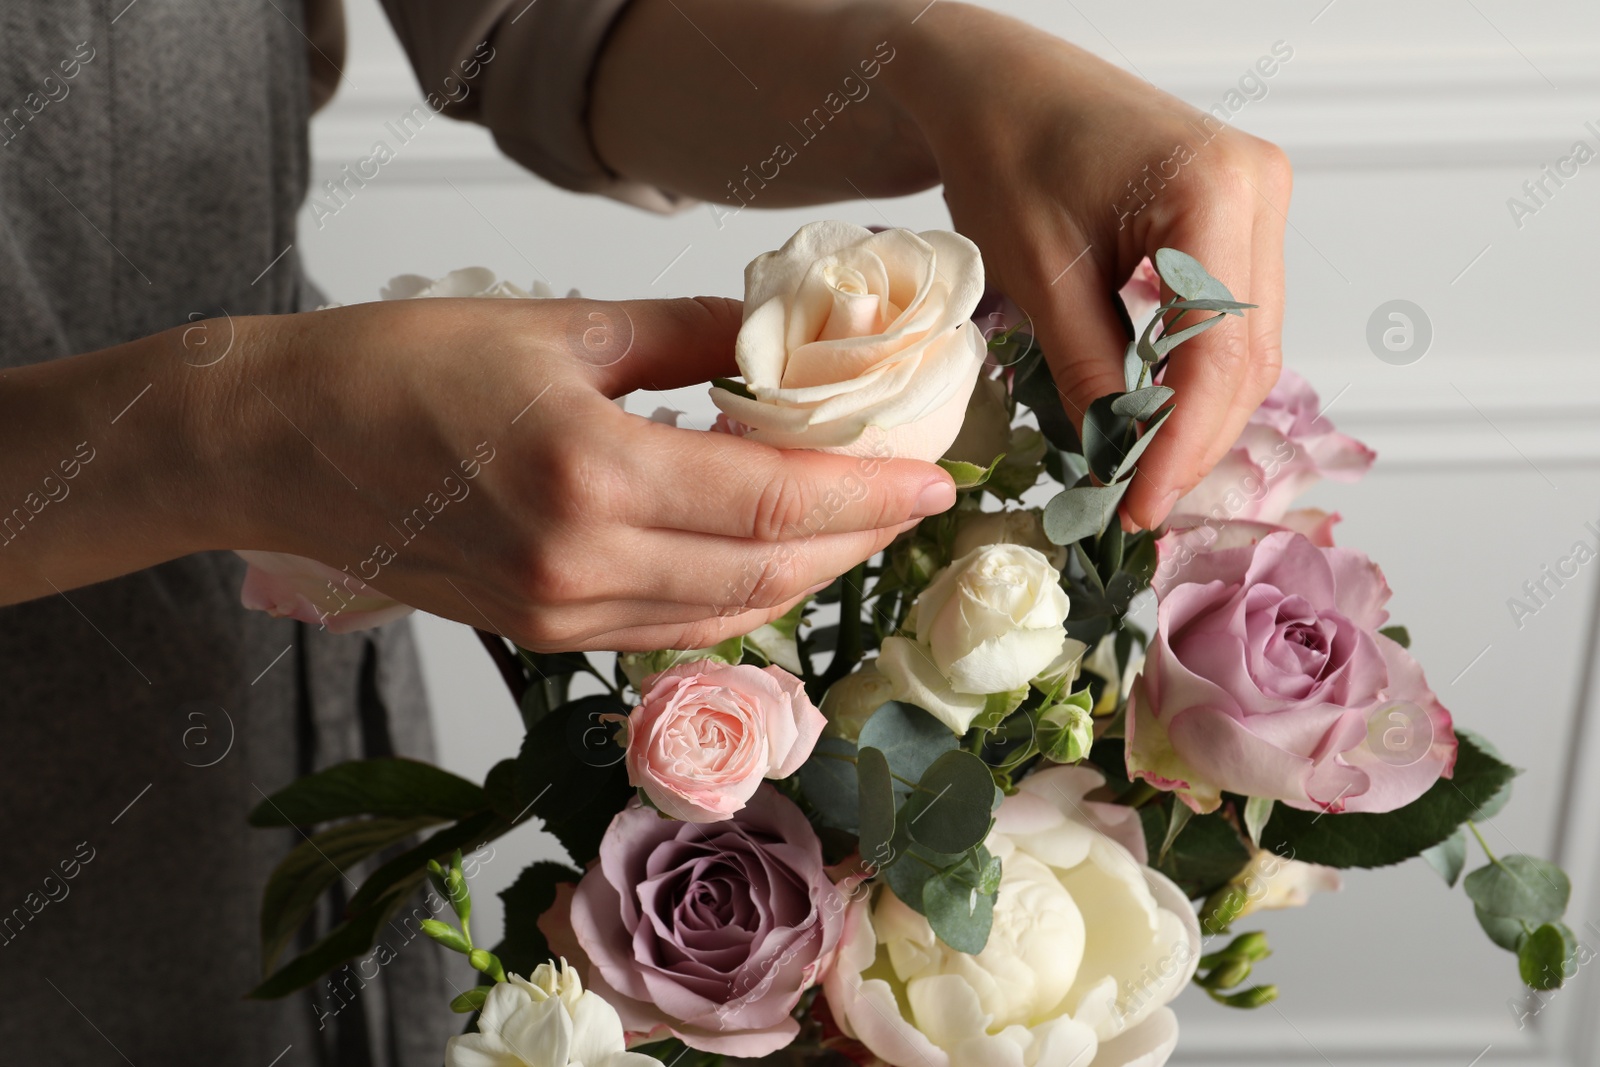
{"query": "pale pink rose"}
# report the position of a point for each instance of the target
(859, 342)
(1267, 677)
(1142, 293)
(705, 734)
(1286, 448)
(294, 587)
(709, 933)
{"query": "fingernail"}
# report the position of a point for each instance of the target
(938, 495)
(1158, 514)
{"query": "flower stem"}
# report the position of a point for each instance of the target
(510, 669)
(1482, 843)
(1139, 795)
(848, 651)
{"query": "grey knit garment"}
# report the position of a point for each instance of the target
(144, 717)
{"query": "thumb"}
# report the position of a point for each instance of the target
(655, 344)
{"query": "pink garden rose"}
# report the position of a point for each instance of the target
(1285, 449)
(294, 587)
(1142, 293)
(1267, 677)
(709, 933)
(705, 734)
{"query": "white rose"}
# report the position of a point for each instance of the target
(1087, 948)
(546, 1021)
(1018, 526)
(988, 623)
(850, 702)
(859, 342)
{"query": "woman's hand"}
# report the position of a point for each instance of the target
(1066, 171)
(1042, 149)
(463, 456)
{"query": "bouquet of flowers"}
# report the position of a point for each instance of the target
(993, 797)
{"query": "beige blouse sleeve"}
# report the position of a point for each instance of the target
(522, 68)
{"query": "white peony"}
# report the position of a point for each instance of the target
(1088, 947)
(859, 342)
(988, 623)
(548, 1020)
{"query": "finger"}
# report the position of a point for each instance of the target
(716, 483)
(715, 574)
(1083, 336)
(702, 634)
(654, 344)
(1207, 372)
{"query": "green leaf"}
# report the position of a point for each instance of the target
(344, 943)
(1376, 840)
(1104, 432)
(1448, 857)
(1545, 956)
(1520, 887)
(1232, 306)
(1140, 404)
(915, 866)
(1074, 514)
(1177, 818)
(1398, 634)
(1132, 369)
(391, 786)
(737, 388)
(1185, 276)
(470, 833)
(876, 790)
(997, 707)
(533, 893)
(1507, 933)
(1207, 855)
(969, 475)
(470, 1001)
(1033, 387)
(1257, 810)
(316, 863)
(961, 916)
(1136, 449)
(909, 738)
(950, 811)
(1168, 341)
(828, 782)
(574, 776)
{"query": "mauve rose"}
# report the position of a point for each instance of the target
(707, 932)
(1267, 677)
(1286, 448)
(705, 734)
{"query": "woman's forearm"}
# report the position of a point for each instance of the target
(105, 465)
(772, 103)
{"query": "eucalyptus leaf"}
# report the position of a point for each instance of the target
(1186, 277)
(1168, 341)
(1545, 955)
(1209, 304)
(1142, 403)
(1133, 368)
(909, 738)
(876, 789)
(961, 916)
(1507, 933)
(916, 865)
(828, 782)
(1520, 887)
(950, 810)
(1104, 432)
(1085, 511)
(1448, 857)
(1137, 448)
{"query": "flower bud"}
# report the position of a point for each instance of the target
(1257, 996)
(446, 935)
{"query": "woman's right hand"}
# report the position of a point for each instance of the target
(466, 458)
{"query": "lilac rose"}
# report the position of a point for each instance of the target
(1267, 677)
(708, 932)
(1287, 447)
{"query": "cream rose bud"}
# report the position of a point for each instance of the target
(1016, 526)
(986, 429)
(850, 702)
(988, 623)
(859, 342)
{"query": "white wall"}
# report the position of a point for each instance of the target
(1410, 126)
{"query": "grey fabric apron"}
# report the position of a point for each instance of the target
(144, 717)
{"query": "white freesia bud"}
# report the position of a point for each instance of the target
(850, 702)
(986, 624)
(1015, 526)
(548, 1020)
